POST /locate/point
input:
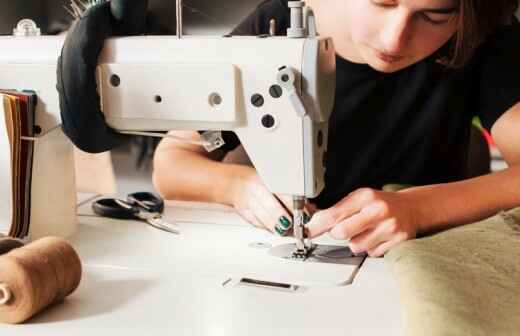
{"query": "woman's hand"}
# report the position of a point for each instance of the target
(256, 204)
(372, 221)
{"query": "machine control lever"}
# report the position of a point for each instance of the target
(287, 79)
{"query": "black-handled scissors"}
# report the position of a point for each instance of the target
(143, 206)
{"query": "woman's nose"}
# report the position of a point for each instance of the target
(395, 33)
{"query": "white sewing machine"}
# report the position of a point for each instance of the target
(208, 83)
(275, 93)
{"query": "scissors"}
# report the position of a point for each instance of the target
(143, 206)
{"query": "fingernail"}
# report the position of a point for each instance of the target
(281, 232)
(285, 223)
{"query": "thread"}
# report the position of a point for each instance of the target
(178, 13)
(36, 276)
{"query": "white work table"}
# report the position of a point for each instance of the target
(137, 279)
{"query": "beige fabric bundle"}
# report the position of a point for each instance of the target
(464, 281)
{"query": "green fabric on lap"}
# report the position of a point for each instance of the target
(395, 187)
(464, 281)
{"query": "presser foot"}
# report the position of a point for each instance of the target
(317, 253)
(304, 246)
(303, 254)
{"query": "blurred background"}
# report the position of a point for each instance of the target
(200, 16)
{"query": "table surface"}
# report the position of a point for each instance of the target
(138, 279)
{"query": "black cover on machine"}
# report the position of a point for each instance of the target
(82, 118)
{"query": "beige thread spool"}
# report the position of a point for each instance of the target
(36, 276)
(7, 244)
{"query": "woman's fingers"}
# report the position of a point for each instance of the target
(352, 226)
(311, 209)
(370, 239)
(287, 202)
(281, 218)
(323, 221)
(365, 220)
(262, 215)
(249, 216)
(272, 214)
(381, 249)
(258, 205)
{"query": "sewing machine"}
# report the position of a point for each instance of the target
(275, 93)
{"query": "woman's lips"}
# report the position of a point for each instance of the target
(387, 57)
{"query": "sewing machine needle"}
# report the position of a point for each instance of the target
(303, 250)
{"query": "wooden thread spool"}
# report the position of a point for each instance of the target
(7, 244)
(36, 276)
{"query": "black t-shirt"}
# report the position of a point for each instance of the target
(409, 127)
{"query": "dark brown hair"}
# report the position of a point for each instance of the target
(477, 19)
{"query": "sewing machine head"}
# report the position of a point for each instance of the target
(275, 93)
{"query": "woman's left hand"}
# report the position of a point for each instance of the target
(372, 221)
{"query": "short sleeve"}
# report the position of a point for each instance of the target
(499, 87)
(231, 141)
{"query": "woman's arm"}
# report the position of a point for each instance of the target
(184, 171)
(471, 200)
(375, 221)
(506, 133)
(187, 172)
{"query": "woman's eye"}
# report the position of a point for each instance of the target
(383, 3)
(436, 19)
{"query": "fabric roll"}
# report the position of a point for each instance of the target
(464, 281)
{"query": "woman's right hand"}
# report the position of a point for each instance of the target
(256, 204)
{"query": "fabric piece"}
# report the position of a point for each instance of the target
(464, 281)
(18, 116)
(412, 126)
(394, 187)
(6, 191)
(22, 122)
(13, 121)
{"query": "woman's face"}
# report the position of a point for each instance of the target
(388, 35)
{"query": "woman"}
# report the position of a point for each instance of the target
(411, 74)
